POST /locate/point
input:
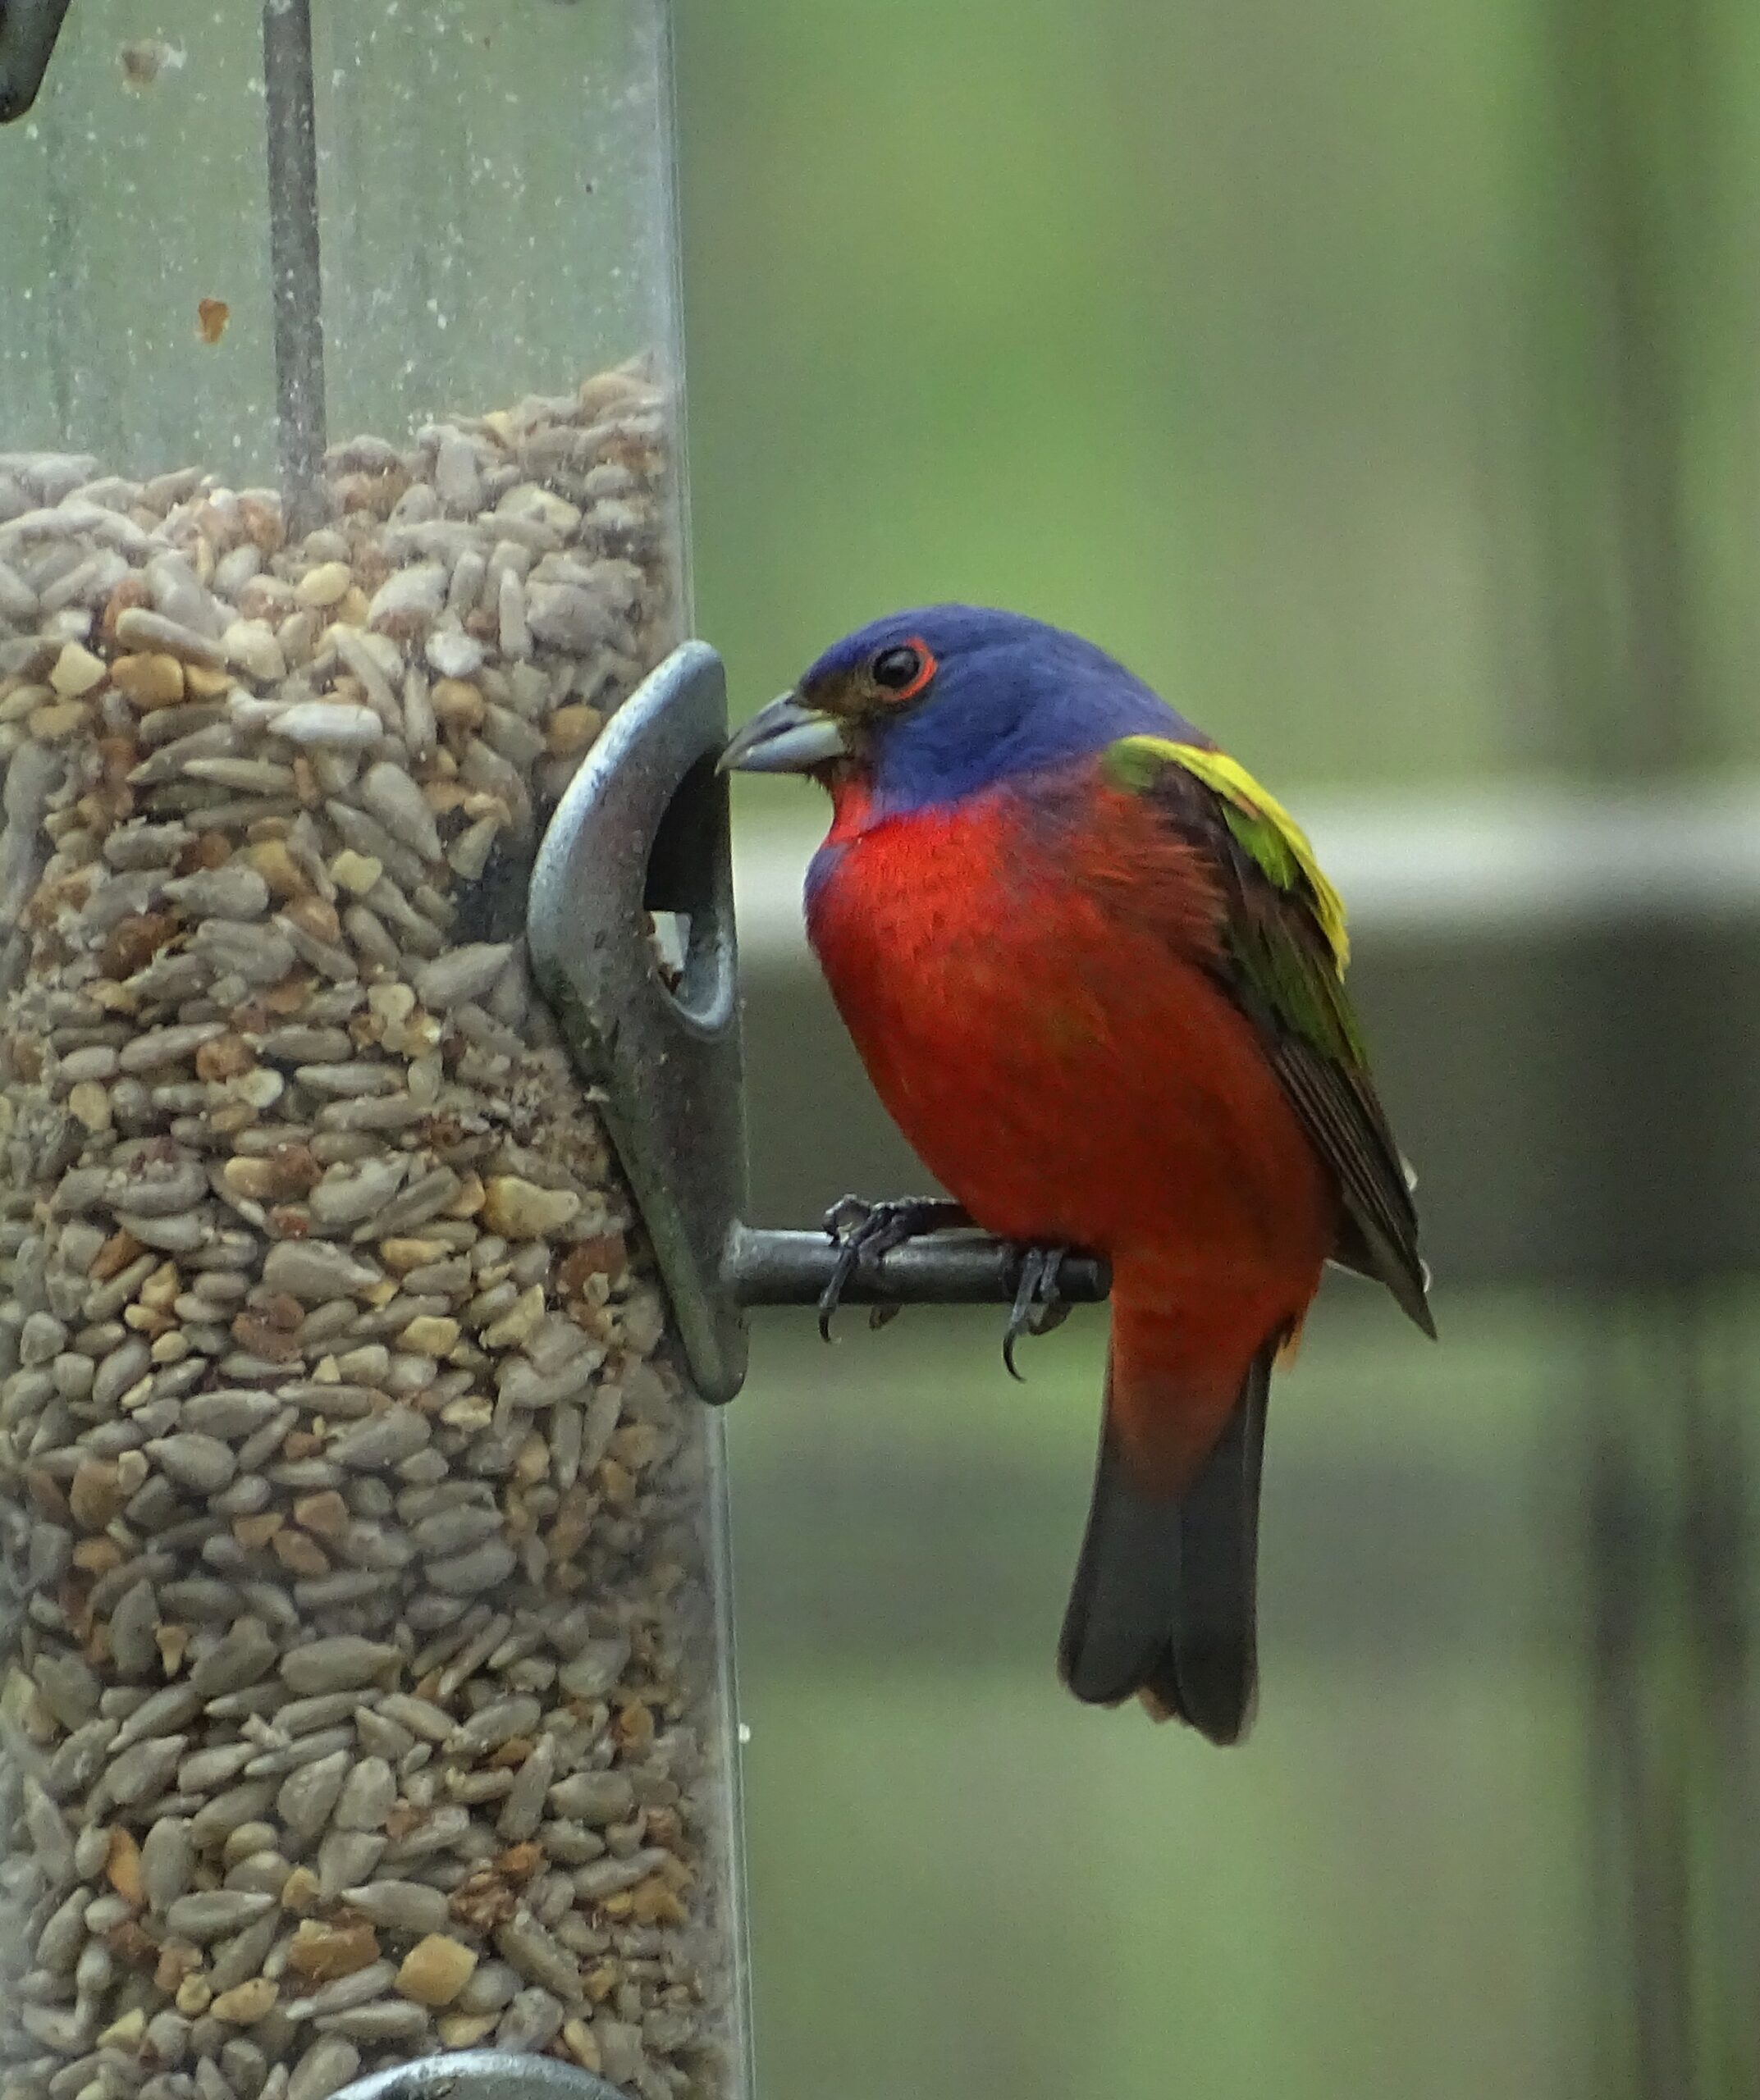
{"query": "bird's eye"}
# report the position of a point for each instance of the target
(901, 672)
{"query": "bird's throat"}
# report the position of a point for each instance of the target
(850, 788)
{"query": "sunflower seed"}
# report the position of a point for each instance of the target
(308, 1359)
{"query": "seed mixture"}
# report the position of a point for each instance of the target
(360, 1688)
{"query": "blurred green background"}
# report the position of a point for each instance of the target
(1295, 353)
(1380, 381)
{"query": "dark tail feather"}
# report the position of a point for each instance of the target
(1164, 1601)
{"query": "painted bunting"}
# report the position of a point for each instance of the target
(1096, 976)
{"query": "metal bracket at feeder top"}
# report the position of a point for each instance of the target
(643, 828)
(27, 31)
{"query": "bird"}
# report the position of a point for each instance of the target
(1095, 974)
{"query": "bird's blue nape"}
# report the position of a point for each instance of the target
(1011, 696)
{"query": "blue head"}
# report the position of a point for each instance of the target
(929, 706)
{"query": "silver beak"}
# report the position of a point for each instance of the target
(786, 737)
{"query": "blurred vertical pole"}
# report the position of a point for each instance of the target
(1626, 303)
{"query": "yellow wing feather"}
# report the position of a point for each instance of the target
(1134, 761)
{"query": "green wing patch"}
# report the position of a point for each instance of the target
(1286, 950)
(1293, 974)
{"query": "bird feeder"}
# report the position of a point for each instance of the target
(365, 1674)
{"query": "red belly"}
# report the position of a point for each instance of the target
(1057, 1053)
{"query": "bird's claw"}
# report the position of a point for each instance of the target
(1038, 1305)
(864, 1232)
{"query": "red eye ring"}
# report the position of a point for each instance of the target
(912, 661)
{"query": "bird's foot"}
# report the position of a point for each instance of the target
(863, 1233)
(1038, 1305)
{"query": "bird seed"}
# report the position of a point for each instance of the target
(355, 1699)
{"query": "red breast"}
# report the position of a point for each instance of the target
(1036, 999)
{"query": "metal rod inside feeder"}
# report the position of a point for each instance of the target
(292, 142)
